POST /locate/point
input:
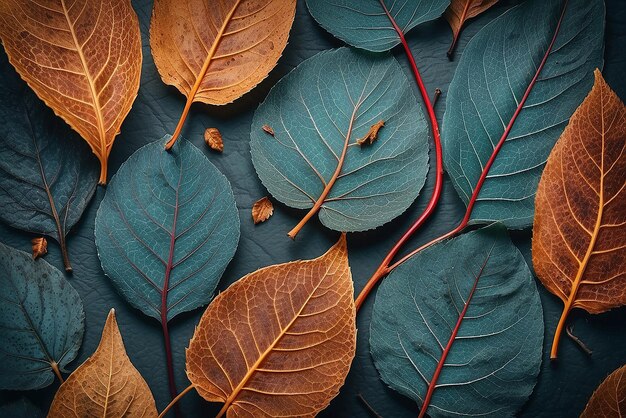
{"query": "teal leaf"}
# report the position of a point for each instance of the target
(494, 72)
(41, 318)
(47, 173)
(166, 229)
(493, 362)
(327, 103)
(21, 407)
(365, 24)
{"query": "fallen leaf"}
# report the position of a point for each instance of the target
(579, 234)
(215, 51)
(262, 210)
(461, 10)
(40, 247)
(278, 342)
(371, 135)
(609, 399)
(106, 384)
(213, 139)
(84, 61)
(268, 129)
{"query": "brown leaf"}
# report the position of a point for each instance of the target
(372, 134)
(579, 242)
(268, 129)
(213, 139)
(609, 400)
(106, 384)
(278, 342)
(262, 210)
(40, 247)
(459, 11)
(84, 61)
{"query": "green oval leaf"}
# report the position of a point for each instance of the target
(166, 229)
(494, 358)
(365, 24)
(496, 69)
(47, 174)
(327, 103)
(41, 318)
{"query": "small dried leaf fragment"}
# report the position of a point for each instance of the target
(106, 384)
(459, 11)
(40, 247)
(268, 129)
(609, 399)
(84, 61)
(278, 342)
(262, 210)
(372, 134)
(579, 233)
(213, 139)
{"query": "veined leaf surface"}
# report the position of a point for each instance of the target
(278, 342)
(41, 318)
(494, 94)
(459, 11)
(365, 23)
(609, 400)
(82, 58)
(166, 229)
(579, 235)
(318, 112)
(47, 174)
(460, 325)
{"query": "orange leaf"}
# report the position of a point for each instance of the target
(40, 247)
(579, 238)
(262, 210)
(372, 134)
(459, 11)
(609, 400)
(279, 342)
(106, 385)
(83, 61)
(213, 139)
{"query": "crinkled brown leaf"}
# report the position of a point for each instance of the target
(40, 247)
(213, 139)
(106, 385)
(262, 210)
(459, 11)
(579, 242)
(279, 342)
(609, 400)
(82, 58)
(372, 134)
(268, 129)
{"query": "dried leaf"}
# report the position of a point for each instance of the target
(262, 210)
(84, 61)
(459, 11)
(579, 242)
(213, 139)
(106, 384)
(279, 342)
(371, 135)
(40, 247)
(268, 129)
(609, 400)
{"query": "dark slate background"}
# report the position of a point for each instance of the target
(563, 388)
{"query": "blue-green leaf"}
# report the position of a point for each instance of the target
(493, 361)
(47, 172)
(167, 226)
(496, 69)
(41, 321)
(365, 24)
(327, 103)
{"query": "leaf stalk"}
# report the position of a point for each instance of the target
(175, 400)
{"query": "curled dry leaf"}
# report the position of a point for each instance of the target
(459, 11)
(371, 135)
(268, 129)
(84, 61)
(213, 139)
(40, 247)
(579, 234)
(279, 342)
(262, 210)
(609, 400)
(215, 51)
(106, 385)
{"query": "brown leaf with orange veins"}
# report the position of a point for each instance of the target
(106, 384)
(40, 247)
(579, 234)
(459, 11)
(83, 61)
(262, 210)
(609, 399)
(213, 139)
(278, 342)
(372, 134)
